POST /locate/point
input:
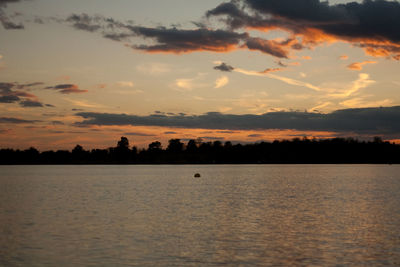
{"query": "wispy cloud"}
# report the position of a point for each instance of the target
(293, 82)
(266, 73)
(287, 80)
(221, 82)
(125, 84)
(363, 81)
(185, 84)
(154, 68)
(360, 102)
(84, 103)
(189, 84)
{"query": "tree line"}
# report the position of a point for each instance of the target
(295, 151)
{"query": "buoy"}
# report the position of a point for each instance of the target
(197, 175)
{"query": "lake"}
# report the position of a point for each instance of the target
(233, 215)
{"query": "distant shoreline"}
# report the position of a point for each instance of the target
(295, 151)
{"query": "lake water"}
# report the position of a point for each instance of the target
(246, 215)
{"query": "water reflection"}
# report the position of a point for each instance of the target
(233, 215)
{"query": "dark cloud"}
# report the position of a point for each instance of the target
(9, 99)
(376, 19)
(372, 24)
(168, 40)
(28, 85)
(174, 40)
(119, 37)
(31, 104)
(67, 88)
(371, 18)
(224, 67)
(170, 133)
(236, 17)
(362, 120)
(85, 22)
(181, 41)
(9, 25)
(12, 93)
(270, 47)
(8, 93)
(139, 134)
(211, 138)
(5, 20)
(6, 87)
(15, 120)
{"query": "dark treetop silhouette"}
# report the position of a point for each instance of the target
(337, 150)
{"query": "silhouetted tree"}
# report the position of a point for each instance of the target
(122, 150)
(175, 146)
(78, 154)
(154, 146)
(77, 149)
(297, 150)
(191, 146)
(123, 144)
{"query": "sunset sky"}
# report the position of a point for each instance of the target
(90, 71)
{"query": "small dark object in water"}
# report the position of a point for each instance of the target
(197, 175)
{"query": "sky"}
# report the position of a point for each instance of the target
(90, 71)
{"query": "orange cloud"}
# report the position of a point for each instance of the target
(359, 65)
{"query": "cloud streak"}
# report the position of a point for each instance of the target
(268, 73)
(67, 89)
(363, 81)
(8, 120)
(221, 82)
